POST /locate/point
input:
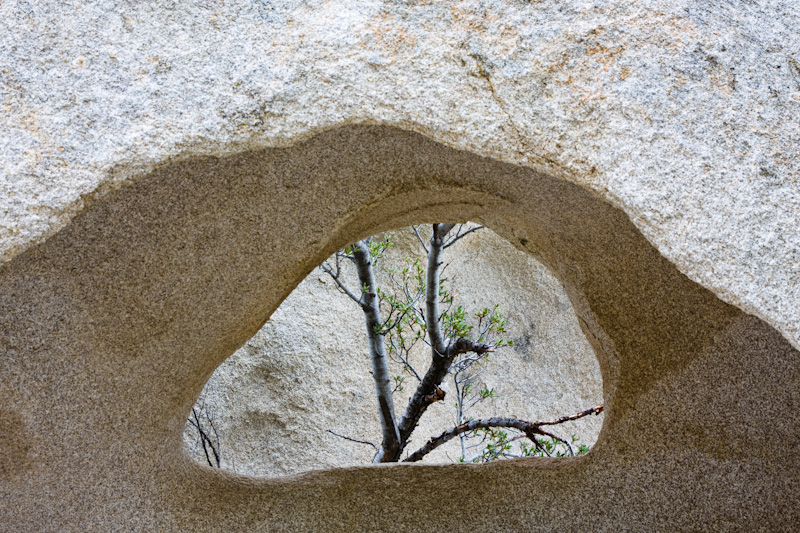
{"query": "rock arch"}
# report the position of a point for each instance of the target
(113, 325)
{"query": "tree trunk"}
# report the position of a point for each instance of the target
(390, 446)
(428, 390)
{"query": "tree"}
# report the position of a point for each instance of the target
(417, 309)
(459, 346)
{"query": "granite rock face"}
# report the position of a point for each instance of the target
(683, 115)
(307, 370)
(171, 172)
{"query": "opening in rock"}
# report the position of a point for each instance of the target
(300, 393)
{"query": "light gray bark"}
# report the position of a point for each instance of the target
(432, 288)
(390, 446)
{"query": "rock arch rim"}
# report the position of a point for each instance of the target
(115, 323)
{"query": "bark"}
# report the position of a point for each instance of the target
(390, 445)
(428, 391)
(432, 288)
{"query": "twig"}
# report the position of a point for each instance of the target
(352, 439)
(422, 242)
(460, 236)
(596, 410)
(556, 437)
(205, 440)
(341, 285)
(403, 360)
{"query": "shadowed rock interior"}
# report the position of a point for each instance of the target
(112, 326)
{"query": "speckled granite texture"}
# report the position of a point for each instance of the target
(170, 171)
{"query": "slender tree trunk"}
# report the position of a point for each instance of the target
(433, 272)
(428, 390)
(390, 446)
(460, 415)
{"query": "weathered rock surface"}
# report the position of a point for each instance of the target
(683, 115)
(171, 172)
(307, 369)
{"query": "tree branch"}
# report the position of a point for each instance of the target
(432, 288)
(460, 236)
(205, 440)
(341, 285)
(464, 345)
(403, 360)
(428, 391)
(559, 439)
(352, 439)
(531, 429)
(416, 232)
(596, 410)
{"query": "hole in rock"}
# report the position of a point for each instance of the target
(300, 394)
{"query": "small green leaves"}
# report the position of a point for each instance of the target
(398, 383)
(498, 446)
(550, 447)
(377, 247)
(454, 323)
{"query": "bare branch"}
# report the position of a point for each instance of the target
(531, 429)
(352, 439)
(464, 345)
(422, 242)
(460, 236)
(596, 410)
(341, 285)
(205, 440)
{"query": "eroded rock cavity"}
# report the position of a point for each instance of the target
(307, 370)
(112, 326)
